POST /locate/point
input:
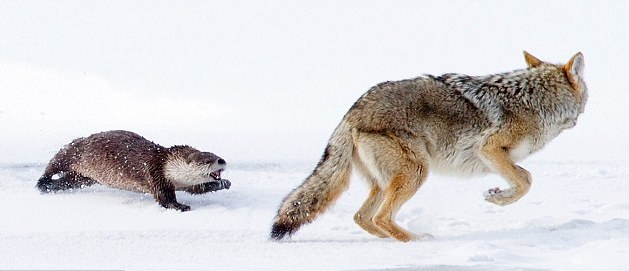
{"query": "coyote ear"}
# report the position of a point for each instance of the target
(575, 66)
(574, 71)
(531, 60)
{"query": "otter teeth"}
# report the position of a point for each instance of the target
(216, 175)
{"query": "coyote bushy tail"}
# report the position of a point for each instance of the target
(319, 191)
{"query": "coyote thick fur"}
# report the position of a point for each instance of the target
(454, 124)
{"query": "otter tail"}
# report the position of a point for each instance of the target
(319, 191)
(45, 183)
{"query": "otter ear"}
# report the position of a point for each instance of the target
(191, 158)
(532, 61)
(574, 67)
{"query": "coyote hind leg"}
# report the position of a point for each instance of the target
(364, 216)
(401, 188)
(398, 171)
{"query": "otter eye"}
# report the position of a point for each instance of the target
(208, 161)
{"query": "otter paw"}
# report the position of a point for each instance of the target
(177, 206)
(217, 185)
(226, 184)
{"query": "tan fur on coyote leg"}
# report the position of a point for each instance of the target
(497, 157)
(399, 178)
(401, 189)
(364, 216)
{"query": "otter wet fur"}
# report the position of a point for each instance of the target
(125, 160)
(453, 124)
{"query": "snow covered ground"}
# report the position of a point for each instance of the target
(262, 84)
(574, 218)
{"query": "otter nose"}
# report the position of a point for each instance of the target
(221, 161)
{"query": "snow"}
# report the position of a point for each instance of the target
(574, 218)
(262, 84)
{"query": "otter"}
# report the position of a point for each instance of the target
(126, 160)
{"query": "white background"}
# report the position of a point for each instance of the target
(269, 80)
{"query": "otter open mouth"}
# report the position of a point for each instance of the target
(216, 174)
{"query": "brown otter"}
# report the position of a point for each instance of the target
(126, 160)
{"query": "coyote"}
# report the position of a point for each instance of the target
(453, 124)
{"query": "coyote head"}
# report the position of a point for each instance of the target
(572, 70)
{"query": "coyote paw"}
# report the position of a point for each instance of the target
(407, 236)
(500, 197)
(414, 237)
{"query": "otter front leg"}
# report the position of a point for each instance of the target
(498, 159)
(164, 193)
(207, 187)
(167, 199)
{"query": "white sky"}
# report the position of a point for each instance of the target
(269, 80)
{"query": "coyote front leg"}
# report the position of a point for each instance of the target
(498, 159)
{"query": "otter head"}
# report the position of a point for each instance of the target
(208, 164)
(185, 168)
